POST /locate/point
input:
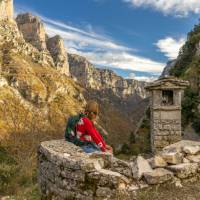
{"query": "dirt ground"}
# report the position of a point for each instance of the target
(189, 191)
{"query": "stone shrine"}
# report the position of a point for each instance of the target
(165, 104)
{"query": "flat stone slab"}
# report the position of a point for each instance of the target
(184, 170)
(178, 147)
(107, 178)
(158, 176)
(192, 150)
(194, 158)
(172, 157)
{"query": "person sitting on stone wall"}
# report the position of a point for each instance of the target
(82, 132)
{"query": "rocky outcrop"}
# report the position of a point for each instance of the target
(103, 79)
(34, 33)
(6, 9)
(66, 172)
(33, 30)
(169, 66)
(56, 47)
(11, 37)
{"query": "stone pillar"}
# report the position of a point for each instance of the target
(165, 104)
(6, 9)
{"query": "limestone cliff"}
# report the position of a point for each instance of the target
(32, 30)
(6, 9)
(56, 47)
(169, 66)
(103, 79)
(34, 33)
(31, 86)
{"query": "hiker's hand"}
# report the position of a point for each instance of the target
(109, 149)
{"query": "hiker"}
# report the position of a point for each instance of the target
(82, 132)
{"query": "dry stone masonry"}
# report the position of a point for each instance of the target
(65, 172)
(165, 107)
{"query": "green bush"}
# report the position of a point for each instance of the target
(8, 170)
(196, 124)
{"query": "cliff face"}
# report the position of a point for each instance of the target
(6, 9)
(34, 33)
(31, 87)
(32, 30)
(56, 47)
(169, 66)
(103, 79)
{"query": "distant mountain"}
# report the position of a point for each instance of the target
(38, 75)
(121, 100)
(103, 79)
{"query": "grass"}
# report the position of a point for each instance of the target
(189, 191)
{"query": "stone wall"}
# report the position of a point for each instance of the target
(6, 9)
(66, 172)
(166, 125)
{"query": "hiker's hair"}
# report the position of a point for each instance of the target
(92, 109)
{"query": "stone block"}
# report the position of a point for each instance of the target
(89, 165)
(191, 149)
(158, 176)
(172, 157)
(107, 178)
(184, 170)
(193, 158)
(139, 167)
(157, 162)
(77, 175)
(178, 146)
(121, 167)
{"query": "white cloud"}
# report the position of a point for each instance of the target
(170, 46)
(145, 78)
(123, 60)
(174, 7)
(142, 78)
(98, 48)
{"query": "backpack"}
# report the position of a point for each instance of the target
(70, 132)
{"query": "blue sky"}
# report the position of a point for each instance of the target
(133, 37)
